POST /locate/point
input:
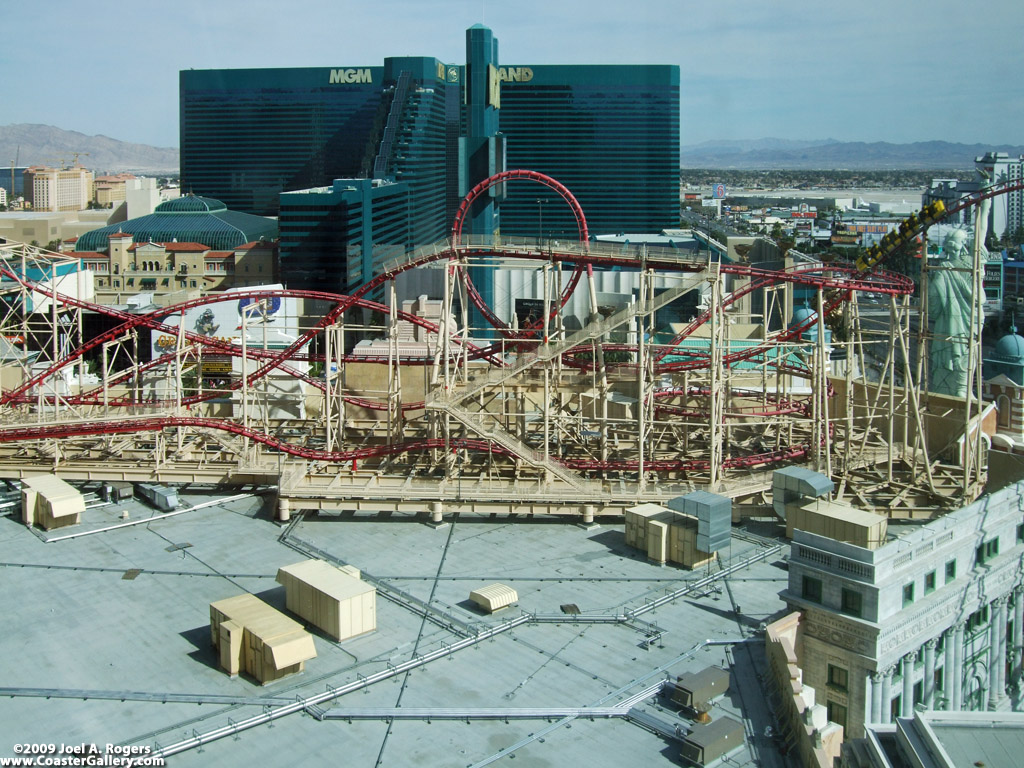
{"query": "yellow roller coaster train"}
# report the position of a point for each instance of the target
(908, 229)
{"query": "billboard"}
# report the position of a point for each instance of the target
(869, 229)
(269, 321)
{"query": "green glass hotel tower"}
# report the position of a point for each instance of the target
(610, 133)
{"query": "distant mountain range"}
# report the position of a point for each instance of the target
(32, 144)
(829, 154)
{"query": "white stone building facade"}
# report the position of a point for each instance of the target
(933, 617)
(1006, 209)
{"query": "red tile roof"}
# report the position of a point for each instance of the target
(173, 247)
(186, 247)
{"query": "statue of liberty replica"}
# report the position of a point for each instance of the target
(955, 289)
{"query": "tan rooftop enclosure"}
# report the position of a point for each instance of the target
(838, 521)
(696, 688)
(494, 597)
(254, 638)
(333, 599)
(51, 502)
(665, 535)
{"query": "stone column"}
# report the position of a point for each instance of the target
(887, 695)
(1018, 635)
(997, 652)
(876, 698)
(948, 676)
(958, 666)
(907, 700)
(1004, 615)
(929, 673)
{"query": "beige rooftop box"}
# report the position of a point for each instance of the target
(838, 521)
(252, 637)
(51, 502)
(494, 597)
(695, 688)
(333, 599)
(665, 535)
(638, 519)
(707, 742)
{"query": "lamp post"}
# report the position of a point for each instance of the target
(540, 221)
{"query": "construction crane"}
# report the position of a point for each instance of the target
(64, 162)
(14, 162)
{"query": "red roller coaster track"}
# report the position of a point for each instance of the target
(839, 281)
(501, 178)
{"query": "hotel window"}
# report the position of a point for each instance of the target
(950, 570)
(838, 677)
(929, 582)
(852, 602)
(977, 619)
(908, 594)
(987, 551)
(837, 713)
(812, 589)
(1004, 410)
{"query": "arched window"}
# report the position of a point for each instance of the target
(1005, 411)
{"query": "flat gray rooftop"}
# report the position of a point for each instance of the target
(106, 640)
(995, 740)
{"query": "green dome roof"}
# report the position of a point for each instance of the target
(1010, 348)
(801, 315)
(188, 219)
(191, 204)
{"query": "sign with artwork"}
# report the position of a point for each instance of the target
(269, 320)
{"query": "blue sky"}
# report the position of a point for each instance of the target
(798, 69)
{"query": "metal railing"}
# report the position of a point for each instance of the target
(595, 252)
